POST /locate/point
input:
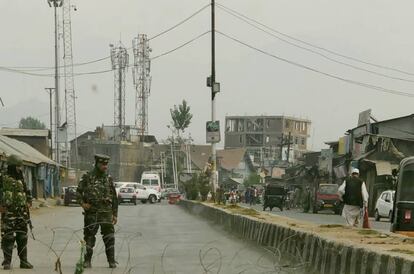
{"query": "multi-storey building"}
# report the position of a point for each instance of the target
(266, 137)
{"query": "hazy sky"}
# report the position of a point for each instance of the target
(252, 83)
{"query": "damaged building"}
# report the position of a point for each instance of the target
(265, 137)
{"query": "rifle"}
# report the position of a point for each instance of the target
(29, 221)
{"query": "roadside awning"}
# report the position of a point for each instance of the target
(9, 146)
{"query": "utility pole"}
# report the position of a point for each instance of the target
(56, 4)
(50, 92)
(288, 144)
(213, 94)
(162, 169)
(173, 159)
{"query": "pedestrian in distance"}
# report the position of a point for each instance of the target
(307, 200)
(355, 197)
(252, 196)
(15, 203)
(247, 195)
(97, 195)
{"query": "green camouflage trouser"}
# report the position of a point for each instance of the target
(92, 222)
(14, 230)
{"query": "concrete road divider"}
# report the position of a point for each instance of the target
(321, 254)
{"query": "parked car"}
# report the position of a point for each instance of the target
(118, 185)
(385, 205)
(70, 195)
(166, 191)
(146, 194)
(127, 195)
(327, 197)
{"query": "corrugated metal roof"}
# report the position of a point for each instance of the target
(11, 146)
(24, 132)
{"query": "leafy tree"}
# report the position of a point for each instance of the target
(253, 179)
(181, 116)
(31, 123)
(198, 187)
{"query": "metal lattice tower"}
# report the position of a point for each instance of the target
(142, 81)
(120, 60)
(70, 98)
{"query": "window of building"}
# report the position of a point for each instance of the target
(287, 124)
(303, 141)
(296, 140)
(241, 139)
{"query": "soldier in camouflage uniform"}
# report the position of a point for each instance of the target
(15, 203)
(97, 195)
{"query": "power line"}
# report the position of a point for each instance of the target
(370, 86)
(313, 51)
(109, 70)
(320, 47)
(33, 68)
(179, 23)
(25, 72)
(181, 46)
(29, 69)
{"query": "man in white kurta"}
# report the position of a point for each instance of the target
(355, 196)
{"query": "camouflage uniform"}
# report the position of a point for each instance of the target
(97, 189)
(15, 198)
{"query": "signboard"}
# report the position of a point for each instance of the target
(71, 174)
(325, 161)
(213, 131)
(364, 117)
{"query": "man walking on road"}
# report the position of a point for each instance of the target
(97, 196)
(355, 196)
(15, 203)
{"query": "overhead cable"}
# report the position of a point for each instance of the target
(330, 75)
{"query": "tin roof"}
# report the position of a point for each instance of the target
(24, 132)
(11, 146)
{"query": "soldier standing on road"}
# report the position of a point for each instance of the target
(15, 202)
(355, 196)
(97, 196)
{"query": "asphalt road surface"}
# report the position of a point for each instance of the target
(158, 238)
(323, 217)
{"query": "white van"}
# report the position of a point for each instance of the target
(151, 179)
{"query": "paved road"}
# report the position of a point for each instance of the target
(323, 217)
(157, 238)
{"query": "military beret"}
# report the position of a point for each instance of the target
(102, 158)
(14, 160)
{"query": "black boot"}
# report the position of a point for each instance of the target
(24, 263)
(87, 264)
(88, 258)
(7, 259)
(90, 243)
(109, 241)
(21, 240)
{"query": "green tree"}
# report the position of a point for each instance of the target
(181, 116)
(31, 123)
(253, 179)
